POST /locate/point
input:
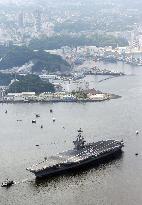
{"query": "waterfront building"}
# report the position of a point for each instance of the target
(19, 96)
(91, 50)
(2, 92)
(47, 96)
(97, 97)
(58, 96)
(48, 78)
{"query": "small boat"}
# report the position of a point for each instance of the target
(34, 121)
(7, 183)
(137, 132)
(37, 115)
(6, 112)
(19, 120)
(54, 119)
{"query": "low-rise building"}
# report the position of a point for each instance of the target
(20, 96)
(97, 97)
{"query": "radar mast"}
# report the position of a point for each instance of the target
(79, 142)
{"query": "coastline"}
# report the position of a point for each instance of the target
(108, 97)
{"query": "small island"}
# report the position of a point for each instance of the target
(31, 88)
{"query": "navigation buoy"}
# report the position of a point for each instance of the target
(51, 110)
(54, 119)
(6, 112)
(41, 126)
(136, 154)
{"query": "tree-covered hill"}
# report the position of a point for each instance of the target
(57, 42)
(30, 83)
(50, 62)
(5, 79)
(18, 56)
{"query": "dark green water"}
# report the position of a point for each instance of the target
(117, 183)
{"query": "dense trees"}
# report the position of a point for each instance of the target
(31, 83)
(5, 79)
(56, 42)
(18, 56)
(52, 63)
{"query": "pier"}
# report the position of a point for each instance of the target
(97, 71)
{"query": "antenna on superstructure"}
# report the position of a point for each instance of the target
(14, 82)
(79, 142)
(80, 133)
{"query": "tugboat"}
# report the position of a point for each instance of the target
(7, 183)
(34, 121)
(37, 115)
(53, 119)
(51, 110)
(81, 155)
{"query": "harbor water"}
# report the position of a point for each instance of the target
(118, 182)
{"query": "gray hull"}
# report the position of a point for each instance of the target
(79, 165)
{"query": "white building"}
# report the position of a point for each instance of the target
(99, 97)
(49, 78)
(20, 96)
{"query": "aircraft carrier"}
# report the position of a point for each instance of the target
(81, 155)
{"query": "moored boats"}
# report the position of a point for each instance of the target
(7, 183)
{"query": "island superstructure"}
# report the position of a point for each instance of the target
(80, 156)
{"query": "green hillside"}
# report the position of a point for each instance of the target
(16, 57)
(31, 83)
